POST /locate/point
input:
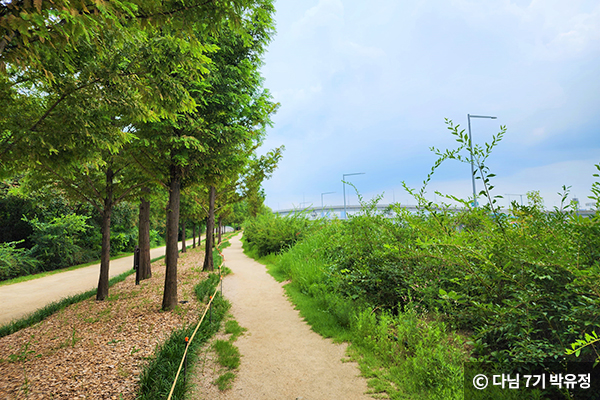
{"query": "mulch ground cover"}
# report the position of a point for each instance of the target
(96, 350)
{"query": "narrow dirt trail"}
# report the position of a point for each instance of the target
(282, 358)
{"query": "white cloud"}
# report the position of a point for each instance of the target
(365, 52)
(327, 13)
(367, 84)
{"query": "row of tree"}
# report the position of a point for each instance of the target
(115, 100)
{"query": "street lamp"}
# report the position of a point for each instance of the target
(322, 207)
(344, 188)
(513, 194)
(469, 116)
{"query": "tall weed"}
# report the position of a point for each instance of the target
(410, 355)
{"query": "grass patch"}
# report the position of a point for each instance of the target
(315, 312)
(225, 381)
(52, 308)
(234, 329)
(206, 287)
(228, 354)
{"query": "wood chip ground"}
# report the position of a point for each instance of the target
(96, 350)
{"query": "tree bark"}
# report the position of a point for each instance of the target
(210, 230)
(220, 228)
(183, 246)
(144, 239)
(193, 236)
(102, 292)
(170, 291)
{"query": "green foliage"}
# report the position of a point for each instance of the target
(12, 209)
(522, 283)
(16, 262)
(270, 233)
(587, 343)
(55, 242)
(124, 233)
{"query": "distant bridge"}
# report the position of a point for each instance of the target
(331, 212)
(314, 212)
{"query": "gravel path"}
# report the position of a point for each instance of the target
(282, 358)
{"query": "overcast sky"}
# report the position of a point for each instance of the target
(365, 86)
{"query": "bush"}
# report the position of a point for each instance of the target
(270, 233)
(121, 243)
(55, 242)
(124, 231)
(16, 262)
(155, 238)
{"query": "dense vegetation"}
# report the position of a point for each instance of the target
(47, 231)
(118, 108)
(420, 293)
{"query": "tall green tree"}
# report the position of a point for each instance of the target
(42, 43)
(259, 169)
(229, 118)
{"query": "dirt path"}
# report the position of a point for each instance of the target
(282, 358)
(23, 298)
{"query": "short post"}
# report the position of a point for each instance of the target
(136, 264)
(210, 312)
(187, 343)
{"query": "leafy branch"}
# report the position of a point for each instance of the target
(580, 344)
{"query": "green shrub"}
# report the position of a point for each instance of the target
(227, 354)
(121, 243)
(55, 242)
(155, 238)
(16, 262)
(270, 233)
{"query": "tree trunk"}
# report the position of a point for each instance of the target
(102, 292)
(220, 228)
(183, 246)
(145, 271)
(210, 230)
(193, 236)
(170, 292)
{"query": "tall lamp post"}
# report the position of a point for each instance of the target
(323, 207)
(344, 188)
(469, 116)
(513, 194)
